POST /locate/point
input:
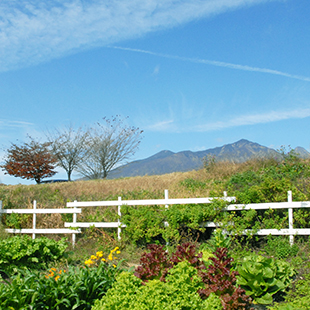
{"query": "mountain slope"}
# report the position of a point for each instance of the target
(167, 161)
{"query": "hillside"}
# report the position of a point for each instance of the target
(168, 162)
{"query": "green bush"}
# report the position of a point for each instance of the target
(74, 288)
(22, 251)
(178, 292)
(146, 222)
(280, 247)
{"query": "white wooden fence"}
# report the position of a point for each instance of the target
(149, 202)
(36, 211)
(74, 227)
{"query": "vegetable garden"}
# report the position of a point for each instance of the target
(182, 266)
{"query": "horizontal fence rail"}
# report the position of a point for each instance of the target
(36, 211)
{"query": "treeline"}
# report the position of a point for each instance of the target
(91, 151)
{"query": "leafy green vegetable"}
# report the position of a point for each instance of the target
(262, 277)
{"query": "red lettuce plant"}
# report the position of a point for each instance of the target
(221, 280)
(218, 278)
(153, 265)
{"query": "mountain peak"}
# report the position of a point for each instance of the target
(167, 162)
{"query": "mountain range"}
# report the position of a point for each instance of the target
(167, 161)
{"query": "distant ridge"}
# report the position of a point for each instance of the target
(168, 162)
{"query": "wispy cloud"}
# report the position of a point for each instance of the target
(218, 64)
(15, 124)
(161, 126)
(8, 129)
(34, 31)
(254, 119)
(156, 70)
(180, 126)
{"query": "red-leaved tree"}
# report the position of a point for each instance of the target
(29, 161)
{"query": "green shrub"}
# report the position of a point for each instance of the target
(193, 185)
(74, 288)
(280, 247)
(263, 277)
(146, 222)
(22, 251)
(178, 292)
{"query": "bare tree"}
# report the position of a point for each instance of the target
(69, 147)
(111, 144)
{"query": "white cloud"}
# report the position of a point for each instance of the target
(161, 126)
(254, 119)
(181, 126)
(219, 64)
(15, 124)
(156, 70)
(33, 31)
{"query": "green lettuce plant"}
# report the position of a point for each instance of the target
(263, 277)
(178, 292)
(22, 251)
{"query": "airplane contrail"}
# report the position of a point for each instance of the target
(217, 63)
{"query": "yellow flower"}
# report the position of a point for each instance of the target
(110, 257)
(103, 259)
(53, 269)
(118, 252)
(99, 254)
(114, 266)
(89, 262)
(93, 257)
(56, 278)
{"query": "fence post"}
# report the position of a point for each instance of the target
(0, 211)
(290, 217)
(74, 221)
(34, 219)
(119, 229)
(166, 206)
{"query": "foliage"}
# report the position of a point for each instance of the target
(209, 162)
(298, 298)
(192, 184)
(270, 182)
(109, 144)
(219, 239)
(217, 279)
(154, 265)
(280, 247)
(17, 252)
(220, 279)
(146, 222)
(142, 222)
(31, 160)
(73, 288)
(192, 216)
(178, 292)
(263, 277)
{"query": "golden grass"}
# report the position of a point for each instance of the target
(56, 195)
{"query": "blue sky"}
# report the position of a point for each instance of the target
(192, 74)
